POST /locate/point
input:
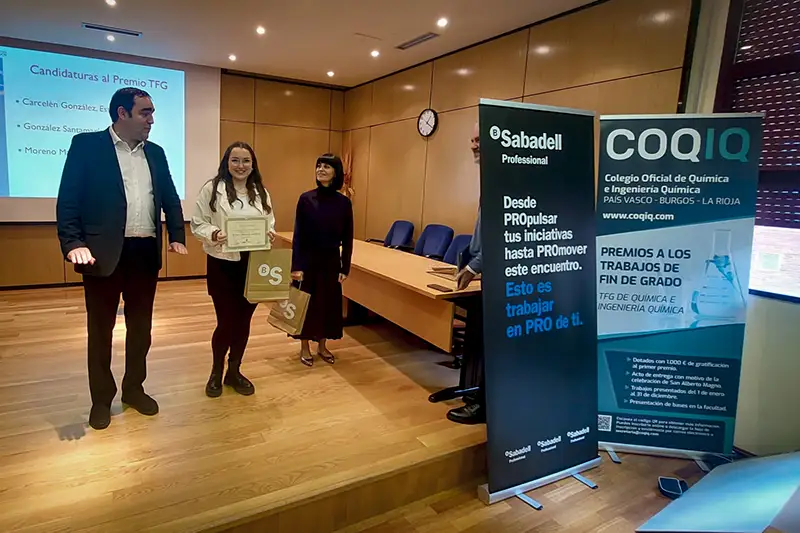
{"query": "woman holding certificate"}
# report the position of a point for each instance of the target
(232, 216)
(323, 224)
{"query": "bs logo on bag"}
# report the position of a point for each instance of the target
(275, 274)
(288, 309)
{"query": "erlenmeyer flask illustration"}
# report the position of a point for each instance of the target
(721, 295)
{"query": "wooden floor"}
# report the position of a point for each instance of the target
(362, 429)
(203, 462)
(626, 497)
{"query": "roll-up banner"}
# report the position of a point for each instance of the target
(675, 213)
(539, 294)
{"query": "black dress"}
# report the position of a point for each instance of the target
(323, 223)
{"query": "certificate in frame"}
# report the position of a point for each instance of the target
(245, 234)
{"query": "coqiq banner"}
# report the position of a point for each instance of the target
(675, 214)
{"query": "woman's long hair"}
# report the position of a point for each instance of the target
(254, 183)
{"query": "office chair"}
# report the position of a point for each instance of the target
(434, 241)
(456, 248)
(399, 235)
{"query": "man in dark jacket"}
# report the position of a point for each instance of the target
(114, 186)
(474, 409)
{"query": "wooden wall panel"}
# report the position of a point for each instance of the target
(337, 110)
(653, 93)
(335, 143)
(402, 96)
(584, 97)
(31, 255)
(193, 264)
(396, 177)
(230, 132)
(452, 179)
(492, 70)
(565, 52)
(289, 154)
(284, 104)
(357, 144)
(237, 96)
(647, 36)
(609, 41)
(358, 107)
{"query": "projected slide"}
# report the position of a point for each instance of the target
(45, 99)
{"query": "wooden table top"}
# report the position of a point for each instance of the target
(406, 269)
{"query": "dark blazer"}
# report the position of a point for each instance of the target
(91, 209)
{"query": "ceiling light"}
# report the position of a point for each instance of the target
(261, 30)
(442, 22)
(662, 17)
(375, 53)
(408, 87)
(463, 72)
(288, 93)
(746, 47)
(330, 73)
(542, 50)
(111, 38)
(112, 3)
(232, 57)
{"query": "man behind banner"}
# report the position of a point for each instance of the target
(474, 409)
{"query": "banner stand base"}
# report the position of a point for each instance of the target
(692, 455)
(612, 455)
(703, 466)
(519, 491)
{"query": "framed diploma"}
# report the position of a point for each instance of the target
(246, 234)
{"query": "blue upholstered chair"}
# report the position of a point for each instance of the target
(456, 248)
(434, 241)
(399, 236)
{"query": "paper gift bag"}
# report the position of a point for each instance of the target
(269, 275)
(290, 314)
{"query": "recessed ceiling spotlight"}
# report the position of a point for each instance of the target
(112, 3)
(375, 53)
(330, 73)
(662, 17)
(442, 22)
(542, 50)
(261, 30)
(232, 57)
(111, 38)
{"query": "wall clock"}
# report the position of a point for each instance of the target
(427, 122)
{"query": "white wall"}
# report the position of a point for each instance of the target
(768, 416)
(768, 419)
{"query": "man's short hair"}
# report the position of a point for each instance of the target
(124, 97)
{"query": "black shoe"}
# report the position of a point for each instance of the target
(214, 385)
(468, 414)
(242, 385)
(141, 402)
(100, 416)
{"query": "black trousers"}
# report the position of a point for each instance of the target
(472, 368)
(135, 279)
(225, 281)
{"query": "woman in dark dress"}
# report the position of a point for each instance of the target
(323, 223)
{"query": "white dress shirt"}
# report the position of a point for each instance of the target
(141, 213)
(205, 222)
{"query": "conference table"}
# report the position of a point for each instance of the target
(394, 285)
